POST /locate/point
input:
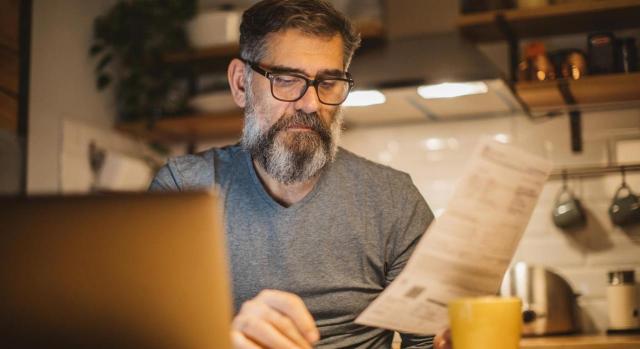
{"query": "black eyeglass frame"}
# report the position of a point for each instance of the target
(309, 82)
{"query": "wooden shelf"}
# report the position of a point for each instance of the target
(590, 92)
(369, 30)
(227, 50)
(192, 128)
(188, 128)
(581, 342)
(558, 19)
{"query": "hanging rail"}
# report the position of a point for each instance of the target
(594, 171)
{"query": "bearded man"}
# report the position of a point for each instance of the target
(314, 232)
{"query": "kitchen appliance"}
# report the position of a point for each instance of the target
(548, 302)
(622, 299)
(441, 59)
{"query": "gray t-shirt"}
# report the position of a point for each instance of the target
(337, 248)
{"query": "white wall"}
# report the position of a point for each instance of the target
(435, 154)
(62, 84)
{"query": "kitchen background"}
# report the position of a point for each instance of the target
(67, 114)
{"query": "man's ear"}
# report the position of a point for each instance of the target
(235, 75)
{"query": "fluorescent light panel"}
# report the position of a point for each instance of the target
(364, 98)
(452, 89)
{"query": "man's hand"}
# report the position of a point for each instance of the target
(274, 320)
(442, 340)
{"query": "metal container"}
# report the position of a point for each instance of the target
(548, 302)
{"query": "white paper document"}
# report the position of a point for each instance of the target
(467, 250)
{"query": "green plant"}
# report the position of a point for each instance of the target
(129, 42)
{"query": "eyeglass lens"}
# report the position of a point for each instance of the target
(290, 88)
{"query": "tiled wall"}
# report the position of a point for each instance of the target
(435, 155)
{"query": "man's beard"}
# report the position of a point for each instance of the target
(293, 156)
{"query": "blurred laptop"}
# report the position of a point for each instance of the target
(116, 271)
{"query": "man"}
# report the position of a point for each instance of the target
(313, 230)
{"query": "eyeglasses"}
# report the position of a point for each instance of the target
(290, 87)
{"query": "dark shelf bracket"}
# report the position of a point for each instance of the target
(575, 116)
(514, 45)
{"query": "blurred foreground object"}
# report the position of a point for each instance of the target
(115, 271)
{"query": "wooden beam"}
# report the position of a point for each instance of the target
(9, 17)
(8, 112)
(9, 71)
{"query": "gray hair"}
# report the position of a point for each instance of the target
(313, 17)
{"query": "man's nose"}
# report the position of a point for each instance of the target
(309, 103)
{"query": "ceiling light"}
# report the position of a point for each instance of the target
(433, 144)
(502, 138)
(364, 98)
(452, 89)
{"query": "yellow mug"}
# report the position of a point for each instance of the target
(485, 323)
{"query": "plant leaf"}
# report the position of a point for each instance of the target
(95, 49)
(103, 81)
(104, 61)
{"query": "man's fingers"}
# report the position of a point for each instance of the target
(286, 326)
(443, 340)
(262, 311)
(265, 334)
(292, 307)
(447, 335)
(239, 341)
(274, 319)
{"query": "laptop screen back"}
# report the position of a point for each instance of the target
(125, 271)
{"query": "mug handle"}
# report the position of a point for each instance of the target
(622, 187)
(565, 190)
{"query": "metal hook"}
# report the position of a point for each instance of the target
(624, 182)
(564, 179)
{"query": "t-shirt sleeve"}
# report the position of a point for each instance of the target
(184, 173)
(164, 180)
(413, 218)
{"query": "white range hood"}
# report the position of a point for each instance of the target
(400, 66)
(404, 104)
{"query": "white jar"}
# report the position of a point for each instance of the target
(622, 298)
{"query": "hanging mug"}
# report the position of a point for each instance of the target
(625, 210)
(568, 212)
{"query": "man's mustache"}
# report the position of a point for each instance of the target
(300, 119)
